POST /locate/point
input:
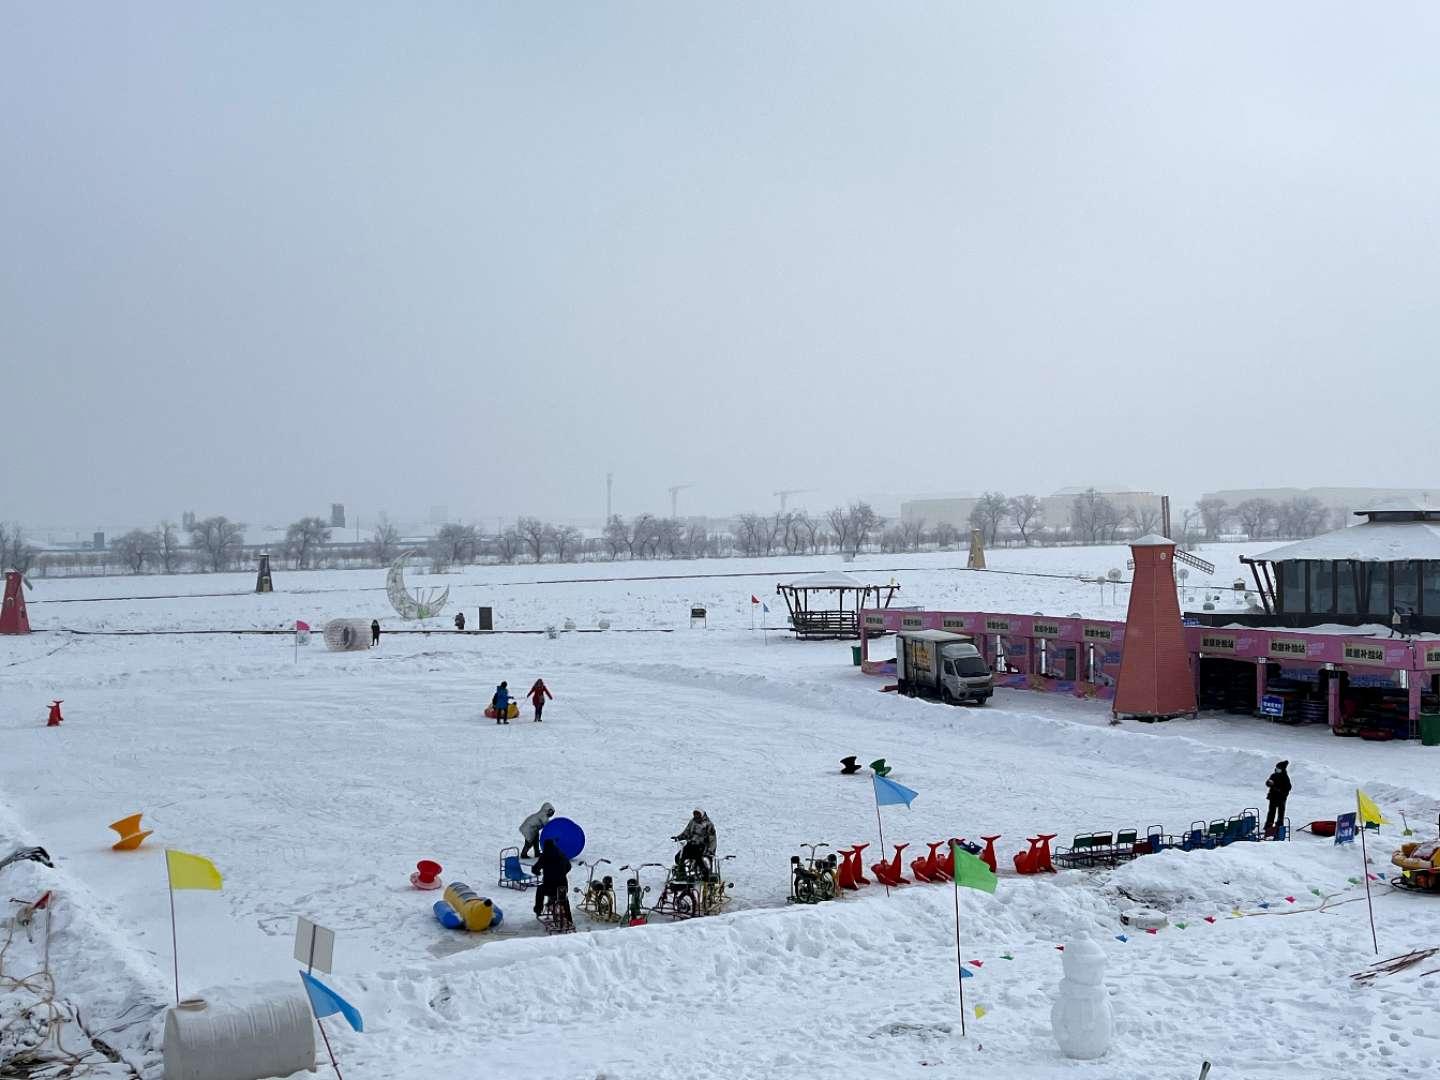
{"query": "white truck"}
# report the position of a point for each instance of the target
(933, 663)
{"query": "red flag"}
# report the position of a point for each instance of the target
(754, 599)
(299, 626)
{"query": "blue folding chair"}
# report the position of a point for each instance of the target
(512, 872)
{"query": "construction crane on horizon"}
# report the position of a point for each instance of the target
(675, 490)
(787, 492)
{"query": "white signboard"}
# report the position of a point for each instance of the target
(314, 945)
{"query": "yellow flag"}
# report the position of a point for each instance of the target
(191, 871)
(1369, 812)
(980, 1011)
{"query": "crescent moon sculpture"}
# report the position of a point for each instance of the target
(422, 603)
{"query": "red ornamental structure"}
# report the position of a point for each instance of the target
(1155, 681)
(14, 619)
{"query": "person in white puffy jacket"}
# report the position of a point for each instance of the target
(530, 829)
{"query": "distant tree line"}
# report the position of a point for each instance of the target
(215, 544)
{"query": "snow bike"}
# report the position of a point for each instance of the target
(680, 895)
(597, 898)
(555, 916)
(714, 888)
(813, 880)
(635, 894)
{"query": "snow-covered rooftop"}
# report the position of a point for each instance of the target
(830, 579)
(1372, 541)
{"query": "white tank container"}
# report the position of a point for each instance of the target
(262, 1037)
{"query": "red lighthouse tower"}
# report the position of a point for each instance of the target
(13, 617)
(1155, 680)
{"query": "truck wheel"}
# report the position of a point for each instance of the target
(947, 697)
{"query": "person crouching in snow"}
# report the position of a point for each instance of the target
(552, 869)
(538, 693)
(530, 829)
(501, 703)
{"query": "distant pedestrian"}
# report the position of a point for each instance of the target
(460, 620)
(374, 632)
(1277, 790)
(538, 693)
(501, 703)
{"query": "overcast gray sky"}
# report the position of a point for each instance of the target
(258, 257)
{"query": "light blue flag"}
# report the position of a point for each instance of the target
(327, 1002)
(888, 792)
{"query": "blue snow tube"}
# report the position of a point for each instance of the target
(497, 918)
(448, 916)
(568, 836)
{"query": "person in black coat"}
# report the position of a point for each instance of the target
(374, 632)
(1277, 790)
(553, 869)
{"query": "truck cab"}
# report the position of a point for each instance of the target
(933, 663)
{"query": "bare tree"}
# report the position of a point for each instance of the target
(945, 535)
(863, 522)
(1187, 526)
(455, 544)
(1025, 511)
(533, 534)
(385, 541)
(990, 510)
(508, 545)
(1093, 517)
(1301, 516)
(808, 529)
(791, 535)
(167, 546)
(304, 537)
(1144, 519)
(840, 525)
(696, 540)
(1254, 515)
(644, 536)
(750, 533)
(564, 539)
(219, 538)
(135, 549)
(616, 536)
(912, 535)
(1213, 511)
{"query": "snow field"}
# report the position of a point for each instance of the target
(315, 786)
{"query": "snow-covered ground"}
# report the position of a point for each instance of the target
(316, 785)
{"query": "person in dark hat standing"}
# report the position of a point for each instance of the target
(1277, 790)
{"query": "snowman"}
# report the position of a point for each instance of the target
(1081, 1018)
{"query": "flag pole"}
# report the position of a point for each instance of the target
(879, 826)
(174, 948)
(1365, 857)
(333, 1063)
(959, 969)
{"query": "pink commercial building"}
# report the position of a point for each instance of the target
(1358, 684)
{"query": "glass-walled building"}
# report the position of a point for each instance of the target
(1384, 570)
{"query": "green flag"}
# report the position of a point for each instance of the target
(971, 873)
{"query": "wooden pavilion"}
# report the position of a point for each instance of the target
(827, 606)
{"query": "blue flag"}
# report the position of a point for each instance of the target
(327, 1002)
(888, 792)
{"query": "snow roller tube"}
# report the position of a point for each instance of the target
(464, 909)
(568, 836)
(269, 1035)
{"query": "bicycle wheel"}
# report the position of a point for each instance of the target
(605, 906)
(683, 904)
